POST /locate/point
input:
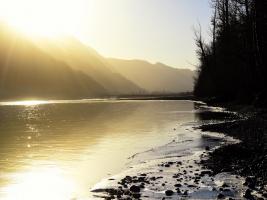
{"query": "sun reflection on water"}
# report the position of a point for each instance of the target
(41, 184)
(23, 103)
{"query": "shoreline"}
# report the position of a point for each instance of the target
(184, 177)
(119, 98)
(247, 158)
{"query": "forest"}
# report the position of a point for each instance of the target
(233, 63)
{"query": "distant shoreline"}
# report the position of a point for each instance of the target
(120, 97)
(157, 97)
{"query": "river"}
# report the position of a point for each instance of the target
(58, 150)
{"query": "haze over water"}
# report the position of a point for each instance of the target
(59, 150)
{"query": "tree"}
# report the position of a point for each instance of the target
(233, 64)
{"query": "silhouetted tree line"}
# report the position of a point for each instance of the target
(233, 65)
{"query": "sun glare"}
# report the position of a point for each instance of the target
(42, 184)
(49, 18)
(23, 103)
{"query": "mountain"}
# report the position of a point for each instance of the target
(154, 78)
(83, 58)
(28, 72)
(68, 69)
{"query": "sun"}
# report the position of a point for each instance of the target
(43, 17)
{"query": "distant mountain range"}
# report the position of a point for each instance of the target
(154, 78)
(68, 69)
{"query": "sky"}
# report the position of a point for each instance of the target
(153, 30)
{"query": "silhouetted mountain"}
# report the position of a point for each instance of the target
(68, 69)
(83, 58)
(28, 72)
(155, 78)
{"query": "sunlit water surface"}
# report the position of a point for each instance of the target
(57, 150)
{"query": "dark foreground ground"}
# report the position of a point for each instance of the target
(247, 158)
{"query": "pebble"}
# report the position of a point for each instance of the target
(178, 185)
(220, 196)
(169, 192)
(136, 195)
(135, 189)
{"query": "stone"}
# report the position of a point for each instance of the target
(136, 195)
(135, 189)
(220, 196)
(248, 194)
(225, 185)
(178, 185)
(169, 192)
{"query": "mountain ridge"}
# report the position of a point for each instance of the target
(162, 78)
(69, 69)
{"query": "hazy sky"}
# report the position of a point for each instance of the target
(154, 30)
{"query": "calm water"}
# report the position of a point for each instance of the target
(58, 150)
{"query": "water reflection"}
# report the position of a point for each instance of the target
(23, 103)
(58, 150)
(41, 184)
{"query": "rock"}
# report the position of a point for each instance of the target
(225, 185)
(110, 197)
(203, 173)
(169, 192)
(191, 186)
(98, 190)
(111, 191)
(248, 194)
(185, 193)
(126, 192)
(220, 196)
(136, 195)
(207, 148)
(178, 185)
(135, 189)
(250, 182)
(143, 174)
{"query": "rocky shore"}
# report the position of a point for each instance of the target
(218, 168)
(247, 158)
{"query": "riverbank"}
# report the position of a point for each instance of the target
(190, 173)
(185, 96)
(247, 158)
